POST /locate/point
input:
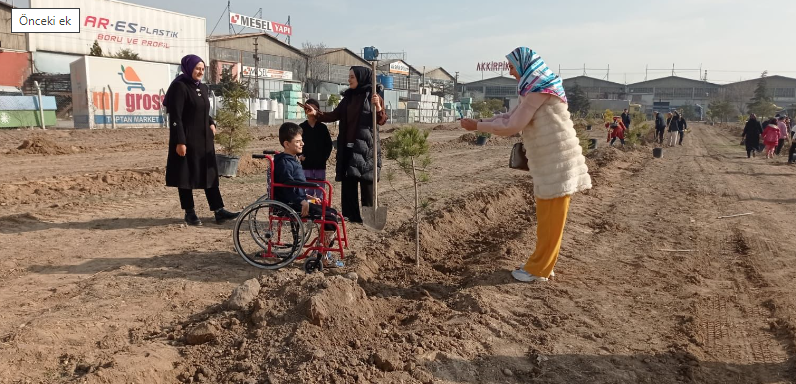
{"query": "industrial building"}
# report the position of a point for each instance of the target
(499, 87)
(664, 93)
(439, 81)
(672, 92)
(597, 88)
(782, 89)
(333, 66)
(406, 78)
(277, 62)
(13, 53)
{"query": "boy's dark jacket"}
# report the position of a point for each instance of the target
(286, 169)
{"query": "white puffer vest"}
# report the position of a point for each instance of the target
(555, 157)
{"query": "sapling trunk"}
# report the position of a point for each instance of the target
(417, 218)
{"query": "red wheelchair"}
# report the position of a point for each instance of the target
(269, 234)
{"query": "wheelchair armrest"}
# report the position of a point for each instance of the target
(326, 184)
(301, 184)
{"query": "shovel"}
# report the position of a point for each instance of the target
(375, 217)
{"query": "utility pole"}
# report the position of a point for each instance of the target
(584, 69)
(608, 74)
(456, 87)
(288, 23)
(646, 72)
(672, 69)
(424, 76)
(256, 70)
(229, 11)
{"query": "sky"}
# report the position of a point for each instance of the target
(732, 40)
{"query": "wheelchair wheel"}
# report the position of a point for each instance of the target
(312, 264)
(268, 234)
(308, 226)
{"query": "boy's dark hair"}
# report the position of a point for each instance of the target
(314, 103)
(288, 132)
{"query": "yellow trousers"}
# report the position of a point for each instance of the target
(551, 215)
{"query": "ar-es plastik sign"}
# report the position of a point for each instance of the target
(263, 25)
(492, 66)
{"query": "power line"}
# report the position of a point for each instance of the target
(218, 22)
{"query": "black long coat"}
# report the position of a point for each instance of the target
(357, 129)
(189, 124)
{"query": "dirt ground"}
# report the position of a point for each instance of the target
(101, 282)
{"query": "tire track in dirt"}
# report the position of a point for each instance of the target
(732, 321)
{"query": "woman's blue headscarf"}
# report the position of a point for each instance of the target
(535, 75)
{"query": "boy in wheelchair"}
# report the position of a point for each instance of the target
(287, 169)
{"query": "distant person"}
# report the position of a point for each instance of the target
(683, 126)
(191, 162)
(660, 127)
(771, 138)
(317, 148)
(751, 135)
(673, 125)
(616, 130)
(783, 134)
(626, 119)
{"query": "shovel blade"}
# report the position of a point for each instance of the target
(374, 217)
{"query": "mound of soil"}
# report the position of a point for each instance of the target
(318, 323)
(446, 127)
(249, 166)
(40, 145)
(76, 187)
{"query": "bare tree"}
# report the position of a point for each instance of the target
(739, 94)
(317, 64)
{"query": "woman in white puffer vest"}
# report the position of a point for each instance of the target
(555, 157)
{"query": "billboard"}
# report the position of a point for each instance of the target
(264, 73)
(154, 34)
(399, 67)
(263, 25)
(137, 92)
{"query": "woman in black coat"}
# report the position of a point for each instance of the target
(751, 135)
(355, 164)
(191, 160)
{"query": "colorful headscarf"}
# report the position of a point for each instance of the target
(535, 75)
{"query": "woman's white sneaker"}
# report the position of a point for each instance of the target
(552, 273)
(521, 275)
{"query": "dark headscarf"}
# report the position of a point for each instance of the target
(356, 100)
(364, 81)
(187, 65)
